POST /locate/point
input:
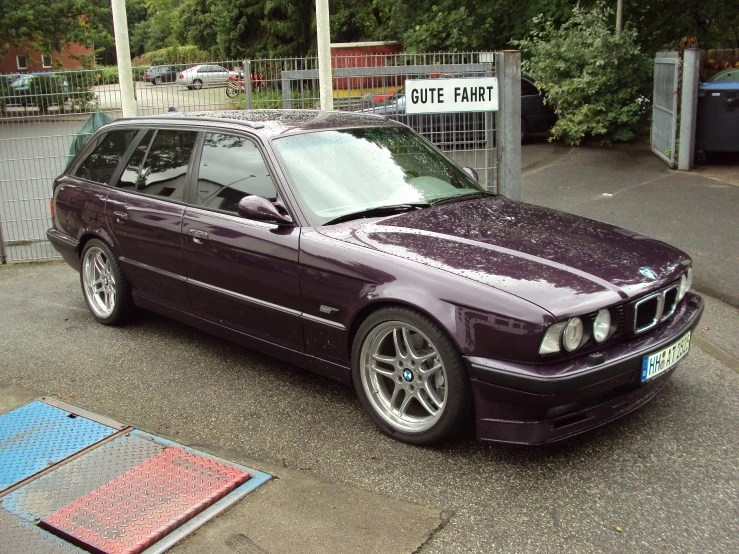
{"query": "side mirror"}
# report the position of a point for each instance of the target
(472, 173)
(259, 208)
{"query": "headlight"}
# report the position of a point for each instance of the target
(572, 334)
(602, 326)
(686, 281)
(552, 339)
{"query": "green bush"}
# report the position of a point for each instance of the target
(177, 54)
(599, 84)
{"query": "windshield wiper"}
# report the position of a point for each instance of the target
(458, 197)
(377, 211)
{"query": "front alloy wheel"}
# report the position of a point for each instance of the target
(409, 377)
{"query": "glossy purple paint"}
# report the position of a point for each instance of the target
(493, 273)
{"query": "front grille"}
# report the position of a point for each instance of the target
(654, 308)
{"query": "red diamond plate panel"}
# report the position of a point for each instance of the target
(142, 505)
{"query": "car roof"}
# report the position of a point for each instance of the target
(271, 122)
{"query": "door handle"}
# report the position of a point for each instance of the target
(198, 236)
(120, 217)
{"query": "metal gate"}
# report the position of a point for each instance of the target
(38, 126)
(665, 106)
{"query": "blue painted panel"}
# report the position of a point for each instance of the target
(38, 435)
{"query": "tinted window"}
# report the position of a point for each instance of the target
(164, 172)
(528, 88)
(130, 176)
(100, 165)
(231, 167)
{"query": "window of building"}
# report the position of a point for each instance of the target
(231, 167)
(102, 162)
(21, 61)
(46, 60)
(164, 172)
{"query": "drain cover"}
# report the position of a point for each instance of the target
(139, 507)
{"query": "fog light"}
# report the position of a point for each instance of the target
(572, 335)
(602, 326)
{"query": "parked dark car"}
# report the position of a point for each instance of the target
(466, 128)
(41, 89)
(158, 74)
(349, 245)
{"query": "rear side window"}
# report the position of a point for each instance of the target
(102, 162)
(231, 167)
(164, 172)
(130, 176)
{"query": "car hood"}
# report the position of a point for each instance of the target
(564, 263)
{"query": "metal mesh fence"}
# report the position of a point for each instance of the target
(40, 114)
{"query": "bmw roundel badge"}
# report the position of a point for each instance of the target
(408, 375)
(647, 272)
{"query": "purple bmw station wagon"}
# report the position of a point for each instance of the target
(349, 245)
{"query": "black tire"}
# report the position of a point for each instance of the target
(232, 91)
(157, 80)
(197, 84)
(189, 87)
(524, 130)
(458, 408)
(123, 305)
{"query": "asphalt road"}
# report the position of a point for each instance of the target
(666, 476)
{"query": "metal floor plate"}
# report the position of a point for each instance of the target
(37, 435)
(136, 509)
(20, 537)
(68, 482)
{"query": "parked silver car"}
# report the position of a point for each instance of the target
(200, 76)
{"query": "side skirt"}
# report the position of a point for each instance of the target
(328, 369)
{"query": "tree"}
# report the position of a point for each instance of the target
(47, 26)
(599, 84)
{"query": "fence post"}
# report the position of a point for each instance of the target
(688, 108)
(287, 97)
(508, 71)
(491, 170)
(3, 257)
(247, 83)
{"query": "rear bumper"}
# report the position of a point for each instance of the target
(530, 404)
(66, 246)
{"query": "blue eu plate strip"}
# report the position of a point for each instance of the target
(37, 435)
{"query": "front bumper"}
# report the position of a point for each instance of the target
(537, 404)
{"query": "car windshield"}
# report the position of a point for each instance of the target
(340, 172)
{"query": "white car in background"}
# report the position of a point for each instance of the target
(200, 76)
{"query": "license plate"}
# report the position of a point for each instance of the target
(661, 361)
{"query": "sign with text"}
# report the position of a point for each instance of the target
(476, 94)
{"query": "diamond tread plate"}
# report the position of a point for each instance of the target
(37, 435)
(136, 509)
(69, 482)
(20, 537)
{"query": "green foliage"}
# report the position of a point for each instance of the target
(176, 54)
(597, 83)
(46, 26)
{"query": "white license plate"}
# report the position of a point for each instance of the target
(661, 361)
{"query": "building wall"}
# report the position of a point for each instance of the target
(33, 58)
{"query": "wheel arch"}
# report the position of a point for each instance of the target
(366, 311)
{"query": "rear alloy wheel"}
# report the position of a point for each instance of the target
(409, 377)
(197, 84)
(104, 285)
(157, 80)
